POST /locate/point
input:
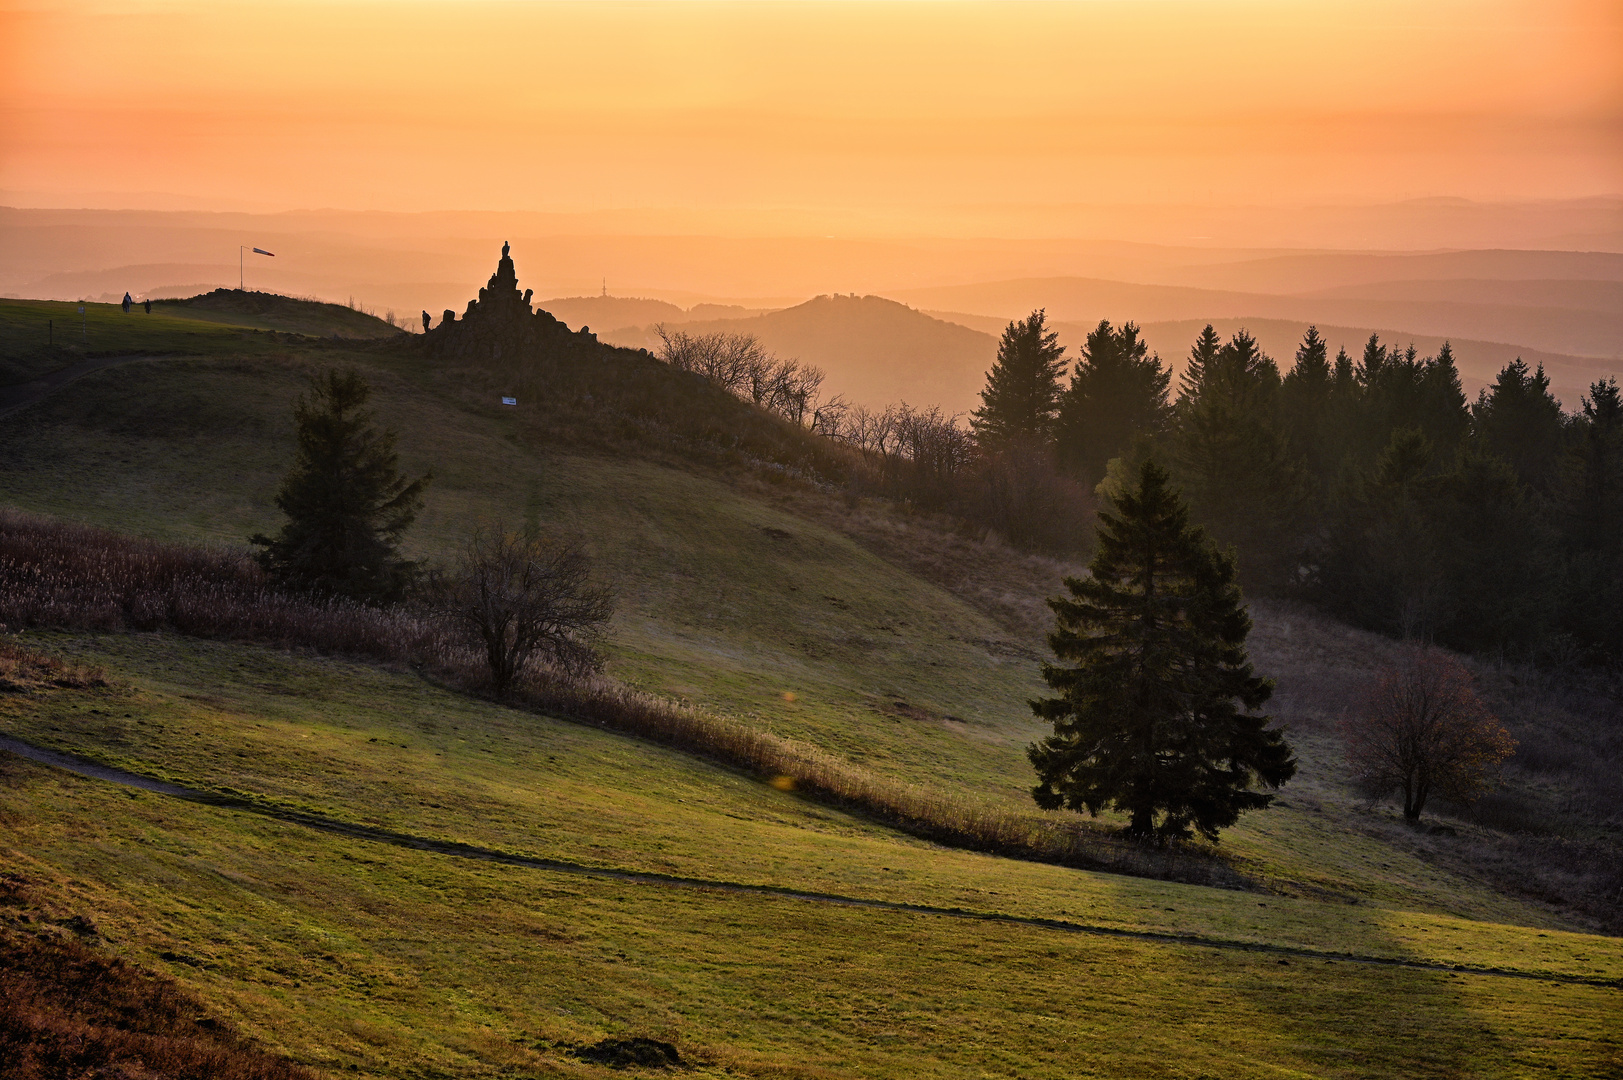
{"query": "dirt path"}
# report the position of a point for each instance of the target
(22, 395)
(93, 770)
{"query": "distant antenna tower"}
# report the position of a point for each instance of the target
(605, 286)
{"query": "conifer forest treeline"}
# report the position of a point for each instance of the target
(1371, 486)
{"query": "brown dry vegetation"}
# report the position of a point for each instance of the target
(69, 1010)
(72, 577)
(24, 669)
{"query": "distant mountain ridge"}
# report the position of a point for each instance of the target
(875, 351)
(607, 313)
(1587, 331)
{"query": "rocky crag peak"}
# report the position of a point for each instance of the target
(501, 325)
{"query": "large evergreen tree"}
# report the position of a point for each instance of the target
(1156, 708)
(1022, 391)
(1442, 413)
(1233, 460)
(1384, 565)
(346, 501)
(1202, 358)
(1593, 609)
(1519, 420)
(1117, 393)
(1304, 402)
(1499, 546)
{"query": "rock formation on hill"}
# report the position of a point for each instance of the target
(500, 325)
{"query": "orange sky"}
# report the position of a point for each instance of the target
(890, 117)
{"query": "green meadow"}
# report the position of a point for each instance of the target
(751, 599)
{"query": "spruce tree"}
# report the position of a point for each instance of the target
(1500, 577)
(1519, 420)
(1593, 608)
(346, 501)
(1444, 414)
(1022, 391)
(1156, 710)
(1118, 392)
(1234, 461)
(1202, 357)
(1385, 558)
(1304, 402)
(1599, 517)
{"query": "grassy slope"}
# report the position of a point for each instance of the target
(271, 311)
(195, 326)
(344, 952)
(192, 448)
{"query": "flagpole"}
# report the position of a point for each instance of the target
(242, 249)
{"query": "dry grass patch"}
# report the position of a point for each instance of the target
(23, 669)
(69, 1010)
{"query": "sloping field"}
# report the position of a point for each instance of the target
(887, 640)
(41, 336)
(349, 954)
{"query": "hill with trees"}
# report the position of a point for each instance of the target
(801, 772)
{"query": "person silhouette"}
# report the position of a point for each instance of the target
(504, 249)
(425, 322)
(127, 303)
(148, 305)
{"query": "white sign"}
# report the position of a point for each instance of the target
(509, 401)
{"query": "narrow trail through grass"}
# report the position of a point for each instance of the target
(95, 770)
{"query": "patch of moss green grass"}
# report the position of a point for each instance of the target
(391, 750)
(726, 599)
(366, 959)
(39, 336)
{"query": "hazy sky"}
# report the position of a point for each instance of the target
(904, 115)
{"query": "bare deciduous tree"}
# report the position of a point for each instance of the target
(520, 597)
(1424, 731)
(741, 365)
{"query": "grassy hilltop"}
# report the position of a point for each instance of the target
(891, 641)
(40, 336)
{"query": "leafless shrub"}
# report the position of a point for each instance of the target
(742, 366)
(1424, 730)
(520, 597)
(54, 574)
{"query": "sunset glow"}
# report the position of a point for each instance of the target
(912, 117)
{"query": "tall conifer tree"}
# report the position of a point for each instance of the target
(1117, 393)
(1156, 713)
(346, 501)
(1518, 419)
(1234, 461)
(1022, 391)
(1593, 610)
(1305, 406)
(1202, 357)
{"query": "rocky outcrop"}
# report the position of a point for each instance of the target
(501, 326)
